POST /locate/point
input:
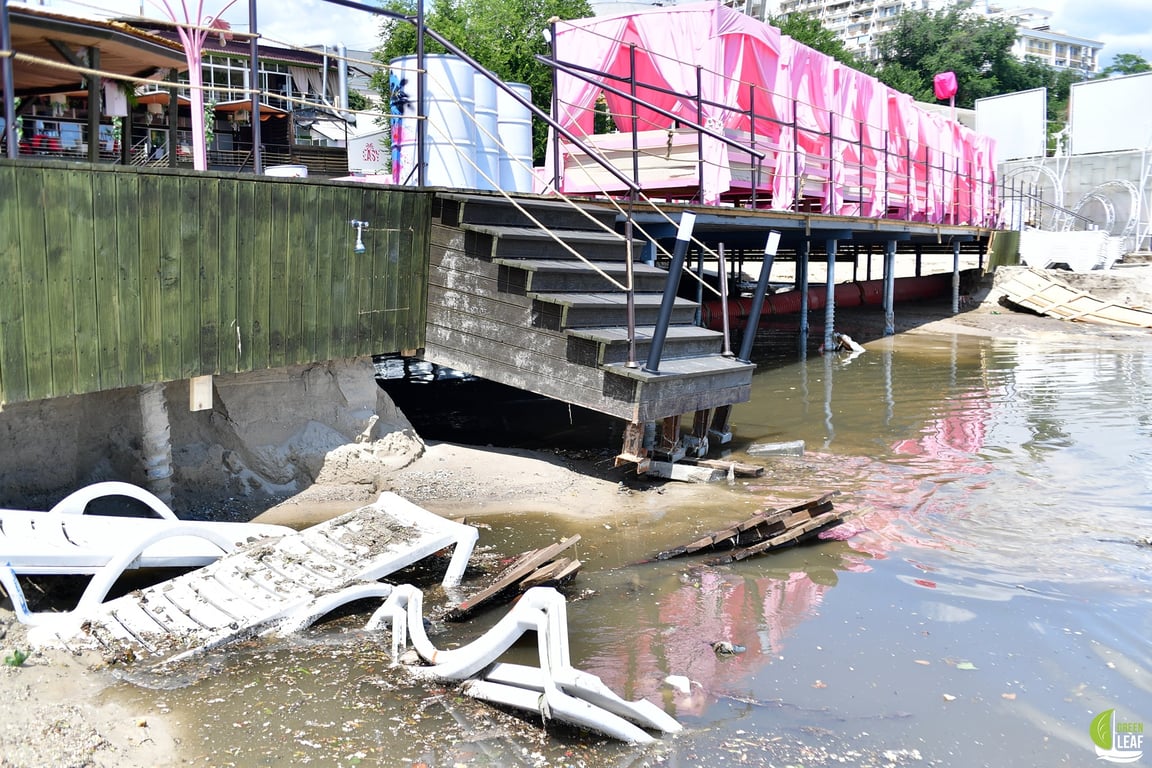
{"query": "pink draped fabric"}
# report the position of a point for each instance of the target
(861, 146)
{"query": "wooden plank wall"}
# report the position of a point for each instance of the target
(113, 277)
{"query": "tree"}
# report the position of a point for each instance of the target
(807, 29)
(502, 35)
(1126, 64)
(976, 48)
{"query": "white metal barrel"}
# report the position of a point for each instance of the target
(450, 137)
(515, 124)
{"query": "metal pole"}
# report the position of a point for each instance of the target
(889, 287)
(630, 294)
(95, 103)
(830, 296)
(254, 88)
(421, 100)
(11, 147)
(722, 271)
(635, 120)
(802, 254)
(555, 110)
(753, 322)
(955, 277)
(683, 237)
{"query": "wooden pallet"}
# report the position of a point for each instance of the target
(538, 568)
(1046, 294)
(763, 532)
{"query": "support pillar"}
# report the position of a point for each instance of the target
(802, 254)
(955, 277)
(156, 441)
(830, 296)
(890, 288)
(697, 444)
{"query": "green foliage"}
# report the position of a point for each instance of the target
(976, 48)
(1126, 64)
(807, 29)
(358, 101)
(16, 658)
(502, 35)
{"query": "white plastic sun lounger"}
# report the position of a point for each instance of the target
(556, 690)
(291, 580)
(66, 541)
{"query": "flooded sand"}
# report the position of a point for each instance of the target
(995, 597)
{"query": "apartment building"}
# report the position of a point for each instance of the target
(860, 22)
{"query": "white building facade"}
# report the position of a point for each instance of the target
(859, 22)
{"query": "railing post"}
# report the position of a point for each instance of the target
(700, 136)
(635, 117)
(756, 174)
(12, 149)
(722, 273)
(254, 89)
(683, 237)
(753, 321)
(630, 294)
(555, 111)
(421, 100)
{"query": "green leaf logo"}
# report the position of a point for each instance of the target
(1101, 729)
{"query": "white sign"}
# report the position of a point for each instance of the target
(368, 154)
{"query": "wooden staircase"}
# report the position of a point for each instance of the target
(508, 304)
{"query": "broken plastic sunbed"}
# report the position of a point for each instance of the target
(292, 579)
(68, 540)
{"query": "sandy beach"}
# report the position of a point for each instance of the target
(59, 711)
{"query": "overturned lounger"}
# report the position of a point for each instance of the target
(289, 580)
(556, 690)
(66, 541)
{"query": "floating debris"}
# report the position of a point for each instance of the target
(539, 568)
(764, 531)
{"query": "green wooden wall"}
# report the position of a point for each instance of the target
(113, 277)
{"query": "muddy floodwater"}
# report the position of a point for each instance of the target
(995, 597)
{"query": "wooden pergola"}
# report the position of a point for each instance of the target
(40, 51)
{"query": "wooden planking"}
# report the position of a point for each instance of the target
(259, 265)
(170, 239)
(128, 256)
(196, 243)
(158, 275)
(13, 362)
(209, 289)
(279, 214)
(151, 313)
(106, 285)
(86, 329)
(59, 265)
(32, 203)
(228, 286)
(307, 267)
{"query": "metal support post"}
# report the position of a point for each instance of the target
(11, 147)
(753, 323)
(802, 254)
(254, 89)
(889, 287)
(955, 277)
(830, 296)
(683, 237)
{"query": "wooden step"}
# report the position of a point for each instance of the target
(459, 208)
(533, 243)
(605, 346)
(522, 276)
(560, 311)
(701, 367)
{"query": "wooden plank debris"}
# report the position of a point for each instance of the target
(763, 532)
(536, 568)
(1046, 294)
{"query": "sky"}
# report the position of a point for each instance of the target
(1124, 26)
